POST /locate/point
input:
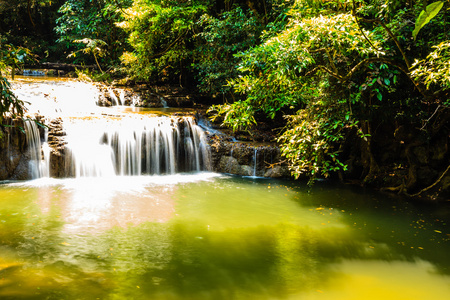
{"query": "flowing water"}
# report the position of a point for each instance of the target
(202, 235)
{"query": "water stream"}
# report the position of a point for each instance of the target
(115, 231)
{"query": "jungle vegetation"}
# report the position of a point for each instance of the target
(332, 72)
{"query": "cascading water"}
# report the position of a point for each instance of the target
(134, 146)
(105, 142)
(255, 160)
(39, 151)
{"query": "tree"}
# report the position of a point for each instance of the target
(92, 22)
(219, 42)
(338, 65)
(162, 36)
(29, 23)
(10, 57)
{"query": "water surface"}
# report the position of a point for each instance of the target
(211, 236)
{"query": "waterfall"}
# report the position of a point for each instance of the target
(255, 156)
(114, 100)
(99, 141)
(131, 146)
(39, 150)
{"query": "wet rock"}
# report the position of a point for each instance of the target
(149, 99)
(229, 164)
(178, 101)
(245, 159)
(243, 154)
(13, 151)
(56, 141)
(57, 163)
(278, 172)
(246, 171)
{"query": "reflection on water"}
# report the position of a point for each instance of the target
(206, 236)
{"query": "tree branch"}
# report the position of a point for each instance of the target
(29, 12)
(359, 66)
(168, 48)
(360, 29)
(431, 186)
(397, 44)
(389, 32)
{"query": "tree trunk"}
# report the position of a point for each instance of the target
(371, 168)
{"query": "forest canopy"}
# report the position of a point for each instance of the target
(327, 70)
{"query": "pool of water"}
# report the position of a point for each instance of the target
(211, 236)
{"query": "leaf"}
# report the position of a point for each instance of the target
(426, 15)
(379, 96)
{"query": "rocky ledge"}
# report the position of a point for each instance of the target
(227, 155)
(14, 157)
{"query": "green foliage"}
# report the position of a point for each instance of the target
(426, 15)
(311, 142)
(333, 68)
(94, 47)
(161, 34)
(181, 40)
(93, 76)
(90, 22)
(30, 24)
(10, 58)
(221, 38)
(9, 103)
(238, 116)
(434, 71)
(294, 67)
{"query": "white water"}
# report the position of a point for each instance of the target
(255, 156)
(107, 142)
(130, 145)
(39, 164)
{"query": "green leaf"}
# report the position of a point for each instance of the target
(426, 15)
(379, 96)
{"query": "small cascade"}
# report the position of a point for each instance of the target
(135, 100)
(191, 140)
(131, 146)
(115, 101)
(33, 73)
(255, 160)
(163, 102)
(60, 98)
(39, 165)
(122, 97)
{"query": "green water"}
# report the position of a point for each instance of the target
(208, 236)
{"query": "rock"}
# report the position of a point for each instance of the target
(246, 171)
(13, 151)
(179, 101)
(243, 154)
(57, 163)
(57, 143)
(229, 164)
(277, 172)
